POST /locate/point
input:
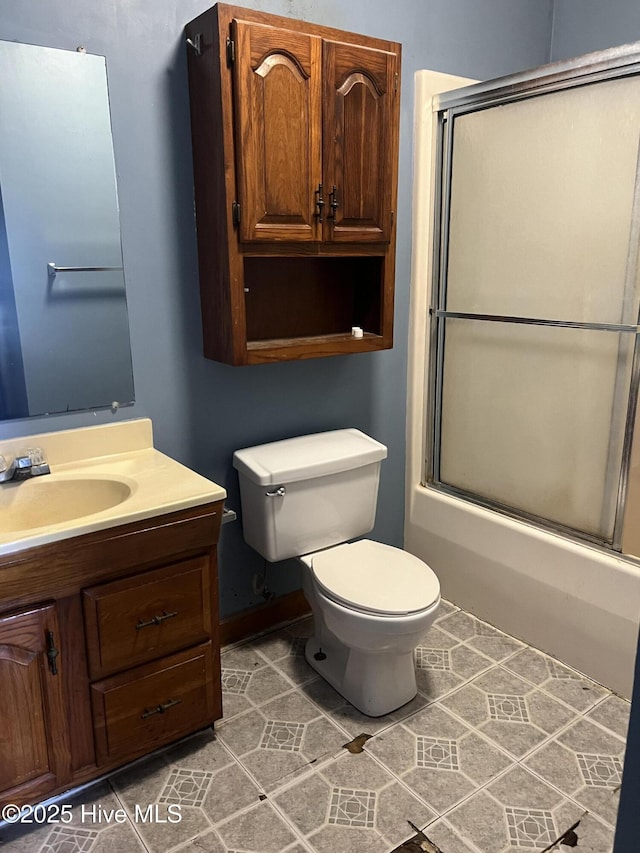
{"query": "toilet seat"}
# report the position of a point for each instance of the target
(374, 578)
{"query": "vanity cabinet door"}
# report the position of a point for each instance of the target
(34, 741)
(278, 117)
(359, 142)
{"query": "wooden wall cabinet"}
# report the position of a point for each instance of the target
(108, 650)
(295, 148)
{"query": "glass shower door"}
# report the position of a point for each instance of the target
(536, 308)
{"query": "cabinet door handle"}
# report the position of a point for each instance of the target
(52, 653)
(333, 202)
(160, 709)
(156, 620)
(320, 203)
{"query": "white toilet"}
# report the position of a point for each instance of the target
(306, 497)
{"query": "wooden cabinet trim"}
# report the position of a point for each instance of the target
(63, 568)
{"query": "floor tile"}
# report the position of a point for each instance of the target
(203, 751)
(509, 710)
(352, 803)
(444, 662)
(228, 788)
(93, 825)
(516, 812)
(155, 785)
(285, 650)
(259, 830)
(249, 680)
(438, 757)
(208, 842)
(446, 608)
(281, 738)
(348, 718)
(584, 762)
(561, 681)
(480, 635)
(501, 751)
(613, 713)
(441, 833)
(593, 836)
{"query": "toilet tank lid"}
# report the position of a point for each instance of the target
(308, 456)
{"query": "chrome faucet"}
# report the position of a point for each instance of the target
(30, 463)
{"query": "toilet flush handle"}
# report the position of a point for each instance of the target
(280, 492)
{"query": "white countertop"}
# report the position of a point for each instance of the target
(147, 482)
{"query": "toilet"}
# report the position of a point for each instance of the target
(308, 497)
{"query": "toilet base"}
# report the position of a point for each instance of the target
(375, 684)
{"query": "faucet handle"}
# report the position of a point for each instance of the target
(21, 467)
(6, 470)
(37, 461)
(30, 463)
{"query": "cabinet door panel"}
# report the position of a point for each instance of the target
(34, 749)
(359, 88)
(278, 116)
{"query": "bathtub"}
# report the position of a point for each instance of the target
(578, 602)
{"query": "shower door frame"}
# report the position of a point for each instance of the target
(592, 68)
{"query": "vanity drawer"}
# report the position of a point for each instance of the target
(147, 616)
(143, 709)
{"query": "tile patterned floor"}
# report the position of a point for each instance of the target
(501, 751)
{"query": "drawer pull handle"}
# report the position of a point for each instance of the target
(160, 709)
(157, 620)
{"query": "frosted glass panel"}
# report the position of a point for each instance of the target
(541, 201)
(527, 418)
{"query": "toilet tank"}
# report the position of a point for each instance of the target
(306, 493)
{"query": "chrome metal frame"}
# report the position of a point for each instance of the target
(595, 67)
(535, 321)
(53, 269)
(621, 61)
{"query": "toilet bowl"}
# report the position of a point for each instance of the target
(310, 497)
(371, 604)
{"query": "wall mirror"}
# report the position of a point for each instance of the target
(64, 328)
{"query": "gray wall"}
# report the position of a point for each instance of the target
(581, 26)
(203, 411)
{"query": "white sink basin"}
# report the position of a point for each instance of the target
(54, 499)
(101, 476)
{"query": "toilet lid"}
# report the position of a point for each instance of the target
(377, 578)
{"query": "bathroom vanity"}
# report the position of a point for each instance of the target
(108, 621)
